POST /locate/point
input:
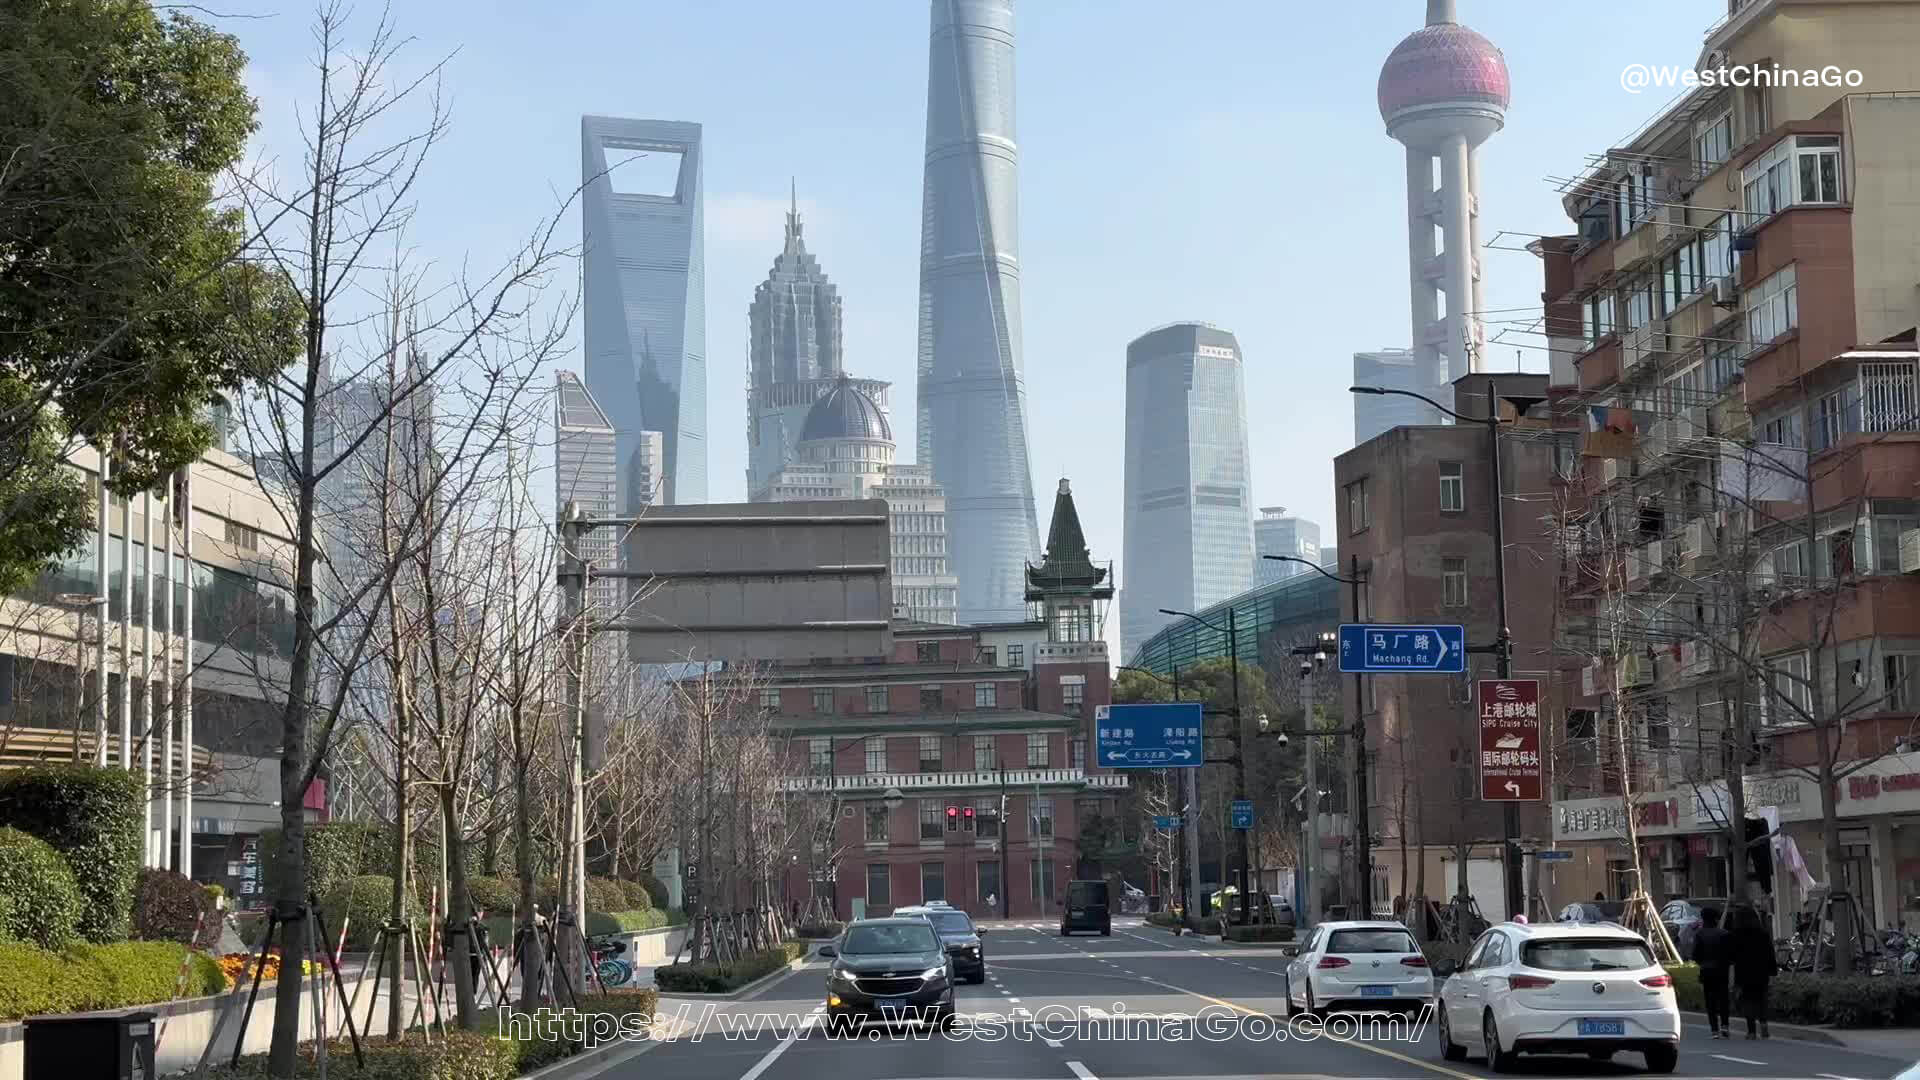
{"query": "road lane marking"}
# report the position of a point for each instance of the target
(774, 1054)
(1738, 1061)
(1368, 1047)
(1833, 1076)
(1053, 1044)
(1081, 1071)
(1013, 1001)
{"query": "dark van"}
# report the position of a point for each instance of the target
(1086, 908)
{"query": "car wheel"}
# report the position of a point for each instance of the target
(1106, 931)
(1286, 995)
(1498, 1060)
(1311, 1009)
(1449, 1050)
(1662, 1059)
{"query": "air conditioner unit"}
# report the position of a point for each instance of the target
(1636, 569)
(1763, 572)
(1671, 225)
(1610, 469)
(1910, 551)
(1725, 292)
(1697, 421)
(1693, 539)
(1656, 556)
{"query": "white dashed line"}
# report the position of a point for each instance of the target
(1052, 1043)
(1013, 1001)
(1081, 1071)
(1832, 1076)
(1740, 1061)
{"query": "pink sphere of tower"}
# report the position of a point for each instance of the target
(1443, 79)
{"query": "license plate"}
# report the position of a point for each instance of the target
(1603, 1027)
(898, 1004)
(1376, 991)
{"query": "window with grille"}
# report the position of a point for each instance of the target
(1016, 656)
(986, 654)
(1902, 674)
(983, 753)
(1040, 824)
(876, 823)
(1036, 751)
(931, 813)
(926, 652)
(820, 756)
(877, 754)
(987, 820)
(1079, 751)
(1453, 582)
(770, 699)
(822, 700)
(876, 699)
(1073, 696)
(1453, 486)
(879, 885)
(929, 753)
(1773, 306)
(930, 699)
(983, 695)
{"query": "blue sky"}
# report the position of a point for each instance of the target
(1226, 164)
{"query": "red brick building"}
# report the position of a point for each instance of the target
(957, 768)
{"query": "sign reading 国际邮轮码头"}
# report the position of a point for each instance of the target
(1510, 769)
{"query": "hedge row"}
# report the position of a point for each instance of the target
(492, 1054)
(85, 977)
(1798, 997)
(819, 931)
(720, 978)
(91, 816)
(1258, 933)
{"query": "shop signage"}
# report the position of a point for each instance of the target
(1604, 818)
(1870, 787)
(1773, 791)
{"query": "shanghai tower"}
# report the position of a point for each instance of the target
(972, 398)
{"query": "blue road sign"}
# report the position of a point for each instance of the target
(1395, 648)
(1243, 813)
(1149, 736)
(1554, 856)
(1166, 822)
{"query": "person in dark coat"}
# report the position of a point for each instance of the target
(1713, 952)
(1754, 966)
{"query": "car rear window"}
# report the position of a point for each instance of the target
(1371, 941)
(1084, 893)
(952, 922)
(1587, 954)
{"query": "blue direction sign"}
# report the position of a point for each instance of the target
(1393, 648)
(1149, 736)
(1243, 813)
(1554, 856)
(1166, 822)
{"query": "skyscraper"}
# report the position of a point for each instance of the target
(1443, 91)
(972, 398)
(794, 358)
(644, 285)
(1276, 532)
(586, 473)
(1393, 369)
(1188, 530)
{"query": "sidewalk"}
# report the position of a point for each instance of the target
(1900, 1043)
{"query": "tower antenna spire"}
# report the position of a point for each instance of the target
(1441, 11)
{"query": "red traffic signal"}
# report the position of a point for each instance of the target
(953, 812)
(969, 811)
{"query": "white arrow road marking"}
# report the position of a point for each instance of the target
(1081, 1071)
(1740, 1061)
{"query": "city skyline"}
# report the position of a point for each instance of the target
(970, 381)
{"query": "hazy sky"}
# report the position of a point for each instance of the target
(1225, 163)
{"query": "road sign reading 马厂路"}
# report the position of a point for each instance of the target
(1243, 813)
(1149, 736)
(1510, 740)
(1392, 648)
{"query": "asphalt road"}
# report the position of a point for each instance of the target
(1069, 993)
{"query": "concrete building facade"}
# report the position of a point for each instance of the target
(1188, 521)
(971, 388)
(643, 279)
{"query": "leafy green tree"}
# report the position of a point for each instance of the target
(126, 307)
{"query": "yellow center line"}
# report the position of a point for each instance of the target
(1369, 1047)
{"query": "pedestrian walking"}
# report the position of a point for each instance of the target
(1713, 953)
(1754, 966)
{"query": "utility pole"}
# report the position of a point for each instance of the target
(1362, 797)
(1239, 758)
(1503, 646)
(573, 585)
(1311, 857)
(1006, 895)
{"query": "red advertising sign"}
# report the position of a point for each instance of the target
(1510, 740)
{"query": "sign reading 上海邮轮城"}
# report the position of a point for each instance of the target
(1149, 736)
(1393, 648)
(1510, 740)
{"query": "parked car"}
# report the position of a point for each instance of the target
(1282, 909)
(1558, 988)
(1373, 965)
(1593, 911)
(889, 968)
(1683, 919)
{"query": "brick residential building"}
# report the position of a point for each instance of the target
(958, 768)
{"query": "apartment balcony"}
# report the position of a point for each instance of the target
(874, 783)
(1599, 367)
(1592, 267)
(1643, 242)
(1642, 348)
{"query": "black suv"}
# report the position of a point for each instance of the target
(892, 969)
(959, 935)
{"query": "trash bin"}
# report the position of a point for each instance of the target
(90, 1046)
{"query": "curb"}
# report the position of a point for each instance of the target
(1791, 1031)
(741, 992)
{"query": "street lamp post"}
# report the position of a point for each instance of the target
(1503, 640)
(1239, 748)
(1362, 792)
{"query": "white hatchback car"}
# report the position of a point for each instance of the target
(1559, 988)
(1372, 965)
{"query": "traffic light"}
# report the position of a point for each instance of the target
(967, 813)
(953, 819)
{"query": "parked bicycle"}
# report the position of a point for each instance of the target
(608, 966)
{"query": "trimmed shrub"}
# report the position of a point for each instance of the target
(39, 900)
(1258, 933)
(86, 977)
(367, 900)
(336, 852)
(656, 889)
(493, 894)
(1798, 997)
(819, 931)
(721, 979)
(638, 899)
(251, 924)
(91, 816)
(168, 905)
(625, 922)
(605, 894)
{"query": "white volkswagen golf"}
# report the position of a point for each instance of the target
(1371, 965)
(1557, 988)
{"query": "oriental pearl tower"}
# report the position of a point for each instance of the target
(1443, 90)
